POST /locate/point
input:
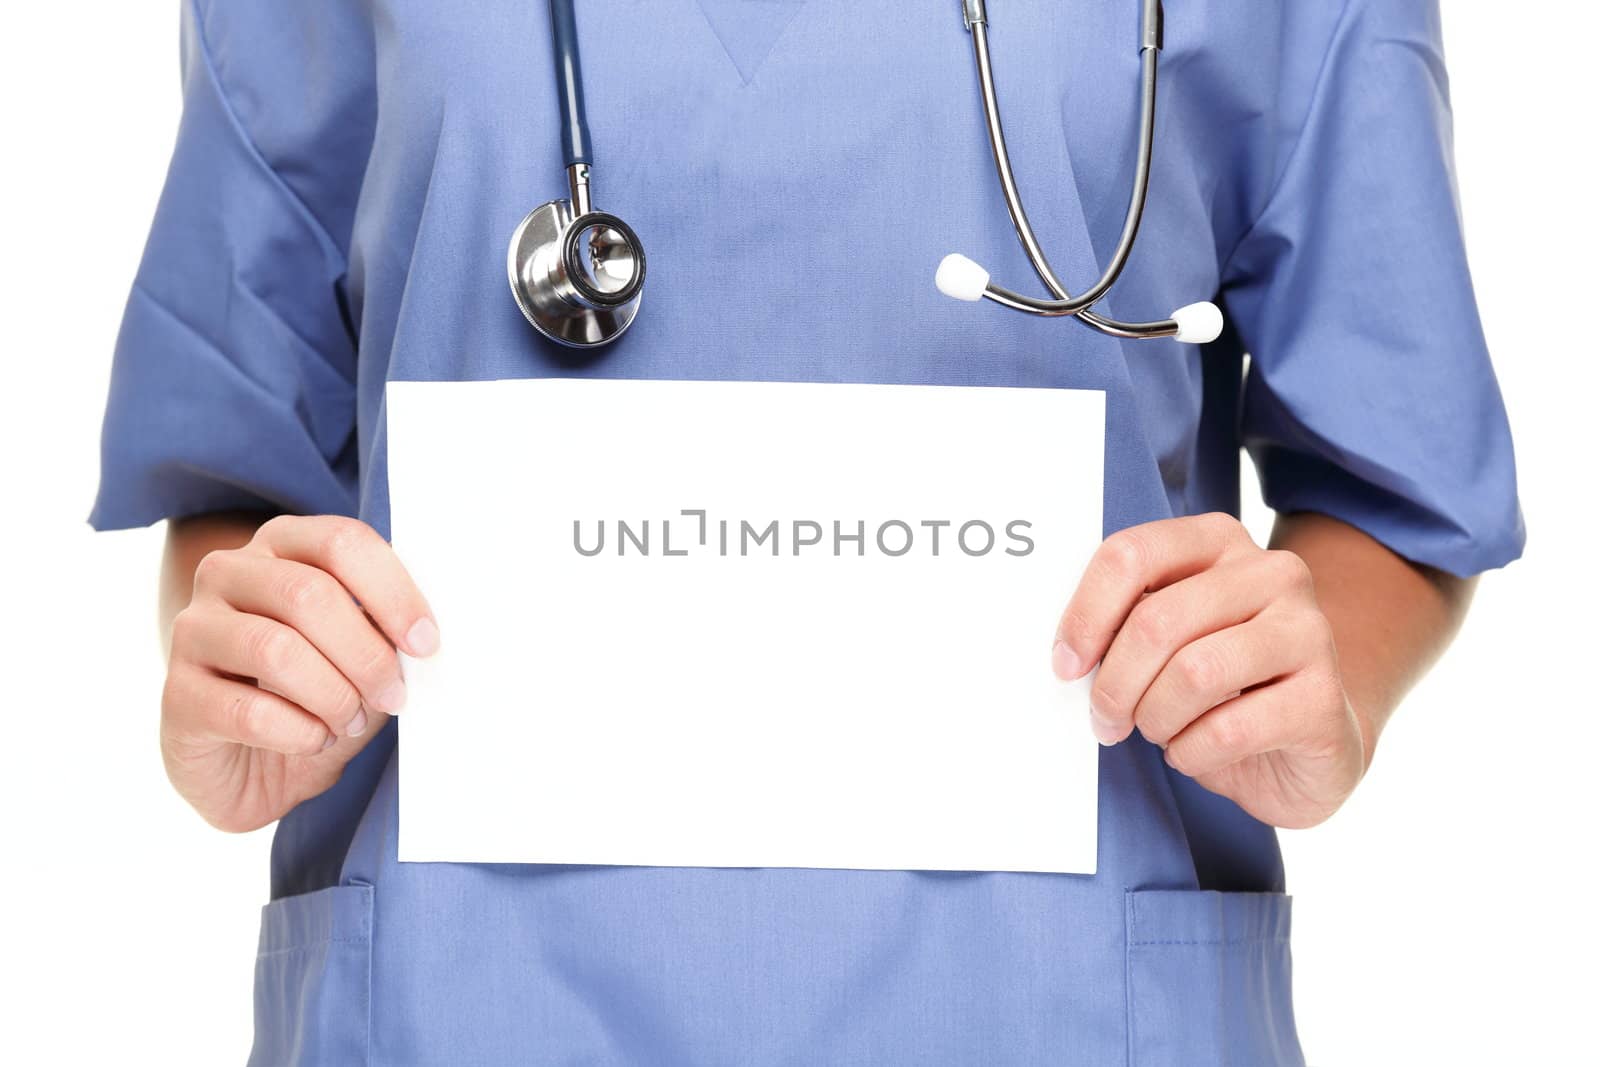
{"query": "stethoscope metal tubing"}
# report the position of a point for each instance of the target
(1127, 331)
(578, 183)
(1066, 304)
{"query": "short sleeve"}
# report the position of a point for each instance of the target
(1370, 395)
(232, 385)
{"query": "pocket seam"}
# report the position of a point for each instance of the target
(309, 945)
(1245, 942)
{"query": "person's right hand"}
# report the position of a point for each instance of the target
(278, 676)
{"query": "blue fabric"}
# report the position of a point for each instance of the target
(343, 188)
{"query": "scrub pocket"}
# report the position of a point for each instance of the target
(314, 979)
(1208, 980)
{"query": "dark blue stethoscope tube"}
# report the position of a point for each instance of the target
(569, 84)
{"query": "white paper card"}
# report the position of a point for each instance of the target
(733, 680)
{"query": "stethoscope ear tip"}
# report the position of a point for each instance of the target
(1198, 324)
(960, 278)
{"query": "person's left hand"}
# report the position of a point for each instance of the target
(1215, 650)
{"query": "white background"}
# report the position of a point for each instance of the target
(1447, 915)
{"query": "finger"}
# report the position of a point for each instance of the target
(209, 707)
(1165, 621)
(1248, 725)
(1127, 565)
(280, 660)
(363, 563)
(1206, 672)
(313, 602)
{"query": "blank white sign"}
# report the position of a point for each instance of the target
(816, 632)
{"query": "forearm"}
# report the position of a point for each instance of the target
(1391, 618)
(188, 541)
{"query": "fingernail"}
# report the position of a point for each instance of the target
(330, 742)
(358, 725)
(1065, 662)
(1103, 731)
(391, 698)
(423, 638)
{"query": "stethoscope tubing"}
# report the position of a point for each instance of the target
(1065, 304)
(575, 147)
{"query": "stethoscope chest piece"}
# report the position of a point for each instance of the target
(578, 280)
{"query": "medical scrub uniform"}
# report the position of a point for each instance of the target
(345, 181)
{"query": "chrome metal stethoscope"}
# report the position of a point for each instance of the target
(577, 273)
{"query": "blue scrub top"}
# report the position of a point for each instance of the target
(344, 184)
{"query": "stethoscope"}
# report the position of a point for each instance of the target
(577, 273)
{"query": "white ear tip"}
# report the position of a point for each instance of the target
(961, 278)
(1198, 324)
